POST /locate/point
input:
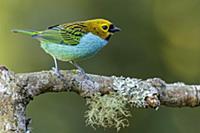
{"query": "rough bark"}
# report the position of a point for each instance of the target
(17, 90)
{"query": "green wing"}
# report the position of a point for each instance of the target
(68, 34)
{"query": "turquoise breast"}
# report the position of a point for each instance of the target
(89, 45)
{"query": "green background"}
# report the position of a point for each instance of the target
(158, 39)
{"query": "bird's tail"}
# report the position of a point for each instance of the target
(26, 32)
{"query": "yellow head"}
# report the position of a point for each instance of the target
(101, 27)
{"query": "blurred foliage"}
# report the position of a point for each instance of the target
(158, 39)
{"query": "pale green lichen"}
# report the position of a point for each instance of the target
(135, 89)
(111, 110)
(108, 111)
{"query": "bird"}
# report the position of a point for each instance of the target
(73, 41)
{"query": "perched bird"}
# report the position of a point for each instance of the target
(74, 41)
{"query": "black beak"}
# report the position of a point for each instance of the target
(114, 29)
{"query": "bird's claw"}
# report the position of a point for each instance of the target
(57, 73)
(85, 79)
(82, 73)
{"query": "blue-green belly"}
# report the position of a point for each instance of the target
(89, 45)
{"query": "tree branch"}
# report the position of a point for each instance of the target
(17, 90)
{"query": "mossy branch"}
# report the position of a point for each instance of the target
(117, 94)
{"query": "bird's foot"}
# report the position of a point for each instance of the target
(57, 73)
(82, 74)
(86, 80)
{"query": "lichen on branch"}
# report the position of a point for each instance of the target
(108, 111)
(108, 97)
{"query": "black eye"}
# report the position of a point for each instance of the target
(105, 27)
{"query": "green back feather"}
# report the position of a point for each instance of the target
(68, 34)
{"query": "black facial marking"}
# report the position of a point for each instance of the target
(111, 26)
(113, 29)
(108, 37)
